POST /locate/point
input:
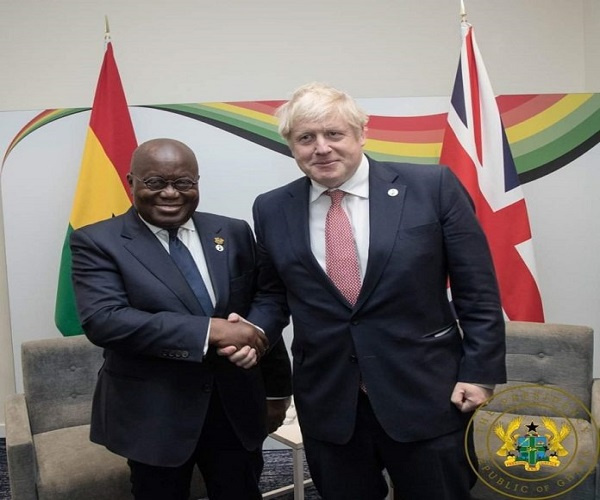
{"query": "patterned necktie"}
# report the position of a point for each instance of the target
(341, 259)
(186, 264)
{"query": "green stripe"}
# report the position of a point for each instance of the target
(562, 145)
(580, 115)
(240, 121)
(424, 160)
(65, 313)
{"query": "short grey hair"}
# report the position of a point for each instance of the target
(315, 102)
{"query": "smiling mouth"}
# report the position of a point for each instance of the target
(169, 208)
(325, 163)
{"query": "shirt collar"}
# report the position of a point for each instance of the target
(358, 184)
(189, 225)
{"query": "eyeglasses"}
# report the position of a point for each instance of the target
(158, 183)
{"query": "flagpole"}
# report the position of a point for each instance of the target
(463, 13)
(106, 30)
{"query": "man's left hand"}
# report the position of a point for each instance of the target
(276, 409)
(245, 357)
(467, 397)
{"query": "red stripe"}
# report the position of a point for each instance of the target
(454, 155)
(505, 229)
(268, 107)
(110, 118)
(412, 123)
(527, 109)
(474, 84)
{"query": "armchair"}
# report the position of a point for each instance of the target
(50, 456)
(557, 360)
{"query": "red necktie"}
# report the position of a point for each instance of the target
(340, 249)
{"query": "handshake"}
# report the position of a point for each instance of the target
(237, 339)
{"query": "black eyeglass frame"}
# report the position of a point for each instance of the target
(165, 182)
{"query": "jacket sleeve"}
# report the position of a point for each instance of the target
(474, 289)
(269, 308)
(277, 372)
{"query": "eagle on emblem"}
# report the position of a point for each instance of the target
(508, 439)
(554, 441)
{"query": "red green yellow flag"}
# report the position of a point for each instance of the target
(102, 191)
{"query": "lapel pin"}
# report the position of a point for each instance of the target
(219, 242)
(392, 192)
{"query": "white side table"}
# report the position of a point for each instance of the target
(290, 435)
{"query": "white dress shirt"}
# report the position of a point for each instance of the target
(356, 205)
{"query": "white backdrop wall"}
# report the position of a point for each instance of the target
(197, 51)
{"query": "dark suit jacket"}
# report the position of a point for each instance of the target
(401, 335)
(154, 387)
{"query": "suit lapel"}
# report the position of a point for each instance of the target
(386, 202)
(296, 215)
(146, 248)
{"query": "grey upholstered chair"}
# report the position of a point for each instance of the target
(559, 358)
(50, 456)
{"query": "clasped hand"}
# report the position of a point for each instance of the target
(237, 339)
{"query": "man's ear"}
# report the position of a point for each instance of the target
(363, 136)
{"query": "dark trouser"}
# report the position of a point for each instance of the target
(230, 471)
(424, 470)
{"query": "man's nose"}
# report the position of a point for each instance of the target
(322, 145)
(169, 190)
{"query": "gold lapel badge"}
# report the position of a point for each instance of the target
(219, 242)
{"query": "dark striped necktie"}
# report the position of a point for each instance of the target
(186, 264)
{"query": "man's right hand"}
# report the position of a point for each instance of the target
(237, 332)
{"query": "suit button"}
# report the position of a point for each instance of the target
(353, 359)
(185, 354)
(206, 388)
(355, 322)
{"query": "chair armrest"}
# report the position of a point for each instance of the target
(19, 449)
(595, 411)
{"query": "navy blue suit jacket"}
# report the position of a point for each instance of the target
(401, 335)
(155, 385)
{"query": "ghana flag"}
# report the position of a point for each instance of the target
(102, 189)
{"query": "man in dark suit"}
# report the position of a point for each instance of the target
(385, 370)
(164, 399)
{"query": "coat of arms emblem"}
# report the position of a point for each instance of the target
(532, 450)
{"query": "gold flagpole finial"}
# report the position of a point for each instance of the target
(463, 13)
(106, 29)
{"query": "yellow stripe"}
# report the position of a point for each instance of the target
(418, 150)
(546, 118)
(100, 194)
(236, 110)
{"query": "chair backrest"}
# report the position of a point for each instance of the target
(553, 355)
(59, 377)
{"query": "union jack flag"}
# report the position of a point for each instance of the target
(475, 147)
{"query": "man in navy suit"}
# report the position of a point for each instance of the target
(386, 379)
(165, 399)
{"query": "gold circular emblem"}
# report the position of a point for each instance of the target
(533, 441)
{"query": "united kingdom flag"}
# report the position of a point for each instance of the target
(475, 147)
